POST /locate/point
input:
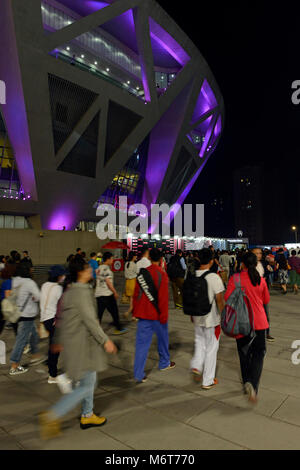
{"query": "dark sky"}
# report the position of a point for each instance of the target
(253, 49)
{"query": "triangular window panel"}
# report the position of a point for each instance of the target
(206, 146)
(82, 159)
(206, 101)
(69, 102)
(130, 180)
(120, 123)
(68, 12)
(197, 135)
(98, 53)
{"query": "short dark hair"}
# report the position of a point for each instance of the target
(24, 270)
(155, 254)
(92, 254)
(78, 249)
(107, 256)
(25, 251)
(144, 250)
(294, 252)
(178, 252)
(75, 267)
(205, 256)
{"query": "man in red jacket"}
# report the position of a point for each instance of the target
(150, 306)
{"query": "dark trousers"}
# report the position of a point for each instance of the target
(266, 307)
(109, 302)
(252, 361)
(52, 358)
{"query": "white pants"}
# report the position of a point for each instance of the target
(205, 355)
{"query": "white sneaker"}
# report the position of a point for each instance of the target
(19, 370)
(52, 380)
(64, 383)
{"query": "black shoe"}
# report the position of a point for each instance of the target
(270, 339)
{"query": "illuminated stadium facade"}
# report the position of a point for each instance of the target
(103, 98)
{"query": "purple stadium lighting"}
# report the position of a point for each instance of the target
(206, 101)
(168, 43)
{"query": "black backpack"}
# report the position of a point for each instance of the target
(174, 268)
(195, 296)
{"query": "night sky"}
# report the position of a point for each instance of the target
(253, 49)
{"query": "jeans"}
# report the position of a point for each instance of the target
(52, 357)
(144, 333)
(26, 333)
(84, 393)
(109, 302)
(252, 362)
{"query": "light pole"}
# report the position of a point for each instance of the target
(294, 228)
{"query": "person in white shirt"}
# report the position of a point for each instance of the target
(105, 293)
(130, 276)
(51, 293)
(207, 327)
(144, 262)
(28, 296)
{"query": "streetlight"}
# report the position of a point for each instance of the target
(294, 228)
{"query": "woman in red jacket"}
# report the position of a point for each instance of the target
(252, 358)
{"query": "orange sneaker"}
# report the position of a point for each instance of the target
(208, 387)
(196, 375)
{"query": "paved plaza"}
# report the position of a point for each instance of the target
(169, 411)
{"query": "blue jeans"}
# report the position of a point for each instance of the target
(26, 333)
(84, 393)
(145, 330)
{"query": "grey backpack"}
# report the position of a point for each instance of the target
(237, 316)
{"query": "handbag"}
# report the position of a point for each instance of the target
(10, 310)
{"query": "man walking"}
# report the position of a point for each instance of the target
(207, 327)
(150, 306)
(176, 273)
(106, 294)
(225, 261)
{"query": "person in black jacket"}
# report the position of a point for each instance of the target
(176, 272)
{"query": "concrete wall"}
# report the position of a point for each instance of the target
(53, 247)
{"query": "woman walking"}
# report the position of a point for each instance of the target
(82, 341)
(51, 292)
(252, 354)
(282, 267)
(7, 274)
(294, 262)
(27, 301)
(130, 276)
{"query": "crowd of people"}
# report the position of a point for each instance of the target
(71, 304)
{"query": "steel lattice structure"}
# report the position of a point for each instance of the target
(73, 131)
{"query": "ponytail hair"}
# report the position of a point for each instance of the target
(130, 258)
(250, 261)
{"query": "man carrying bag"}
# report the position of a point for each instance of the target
(150, 306)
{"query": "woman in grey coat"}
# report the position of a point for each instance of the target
(82, 341)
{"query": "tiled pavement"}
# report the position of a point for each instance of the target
(169, 411)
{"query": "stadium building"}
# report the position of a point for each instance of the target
(102, 99)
